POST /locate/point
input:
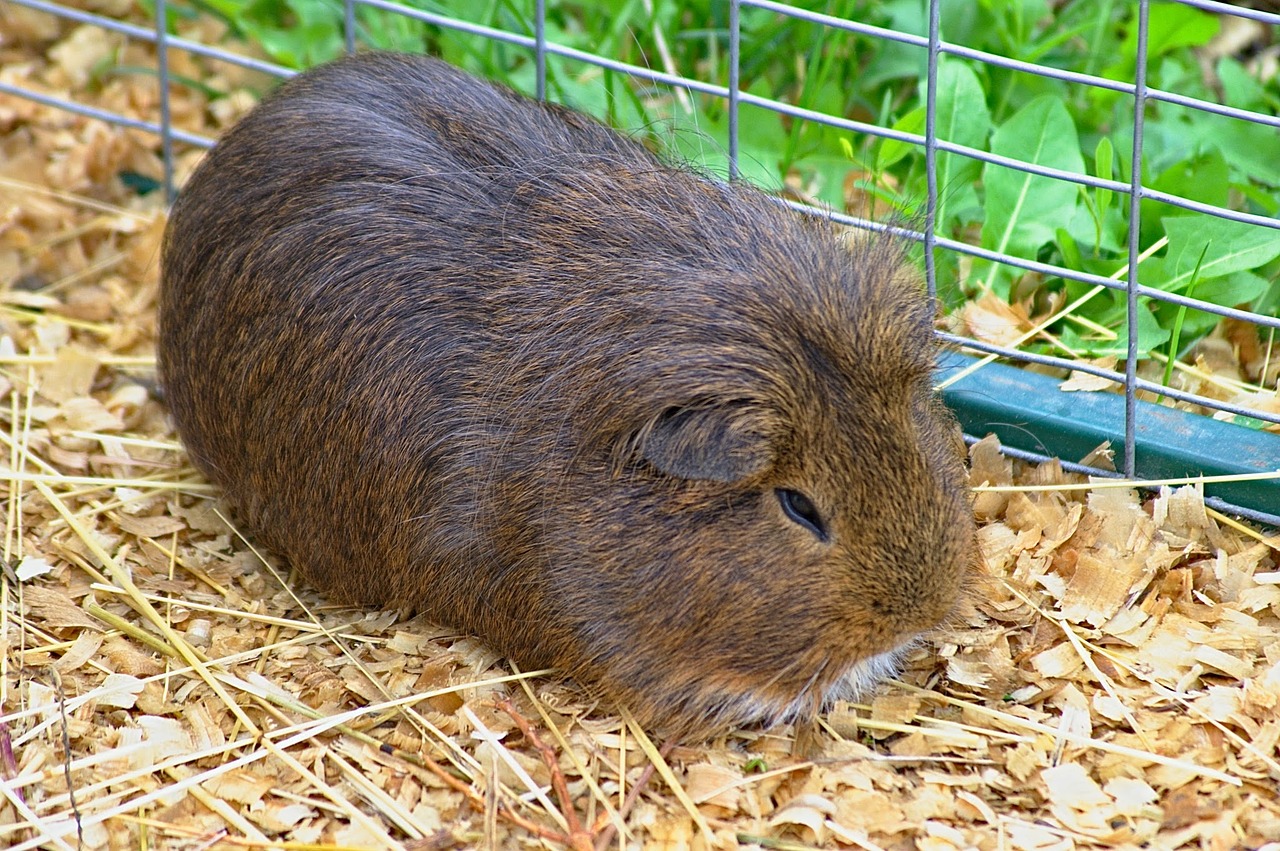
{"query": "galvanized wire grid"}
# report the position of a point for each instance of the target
(932, 145)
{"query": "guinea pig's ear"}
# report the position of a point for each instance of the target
(721, 444)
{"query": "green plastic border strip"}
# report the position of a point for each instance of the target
(1027, 411)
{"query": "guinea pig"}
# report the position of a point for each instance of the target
(448, 348)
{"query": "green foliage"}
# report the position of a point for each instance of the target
(1023, 211)
(298, 33)
(1067, 126)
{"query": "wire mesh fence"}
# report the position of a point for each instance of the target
(1032, 415)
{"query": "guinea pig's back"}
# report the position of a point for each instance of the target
(376, 133)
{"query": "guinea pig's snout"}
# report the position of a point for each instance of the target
(924, 567)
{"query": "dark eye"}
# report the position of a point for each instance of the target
(801, 510)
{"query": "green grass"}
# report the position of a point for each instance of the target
(1068, 126)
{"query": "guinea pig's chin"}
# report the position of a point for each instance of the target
(857, 682)
(863, 676)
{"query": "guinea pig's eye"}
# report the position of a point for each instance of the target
(801, 510)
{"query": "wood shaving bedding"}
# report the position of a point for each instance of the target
(1114, 681)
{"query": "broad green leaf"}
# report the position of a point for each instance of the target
(1254, 149)
(1151, 336)
(1083, 227)
(1227, 247)
(1242, 288)
(963, 118)
(1103, 163)
(1172, 25)
(310, 13)
(1232, 290)
(1070, 250)
(1268, 304)
(301, 47)
(1267, 203)
(891, 60)
(1169, 27)
(1199, 178)
(891, 150)
(1024, 210)
(1241, 88)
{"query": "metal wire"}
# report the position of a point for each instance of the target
(780, 107)
(166, 116)
(1233, 9)
(149, 35)
(999, 61)
(349, 25)
(1019, 356)
(1261, 517)
(1047, 269)
(103, 115)
(1135, 248)
(931, 150)
(540, 47)
(735, 73)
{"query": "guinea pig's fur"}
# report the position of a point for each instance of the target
(448, 348)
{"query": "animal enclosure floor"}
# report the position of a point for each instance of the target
(1113, 680)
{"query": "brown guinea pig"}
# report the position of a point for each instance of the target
(450, 348)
